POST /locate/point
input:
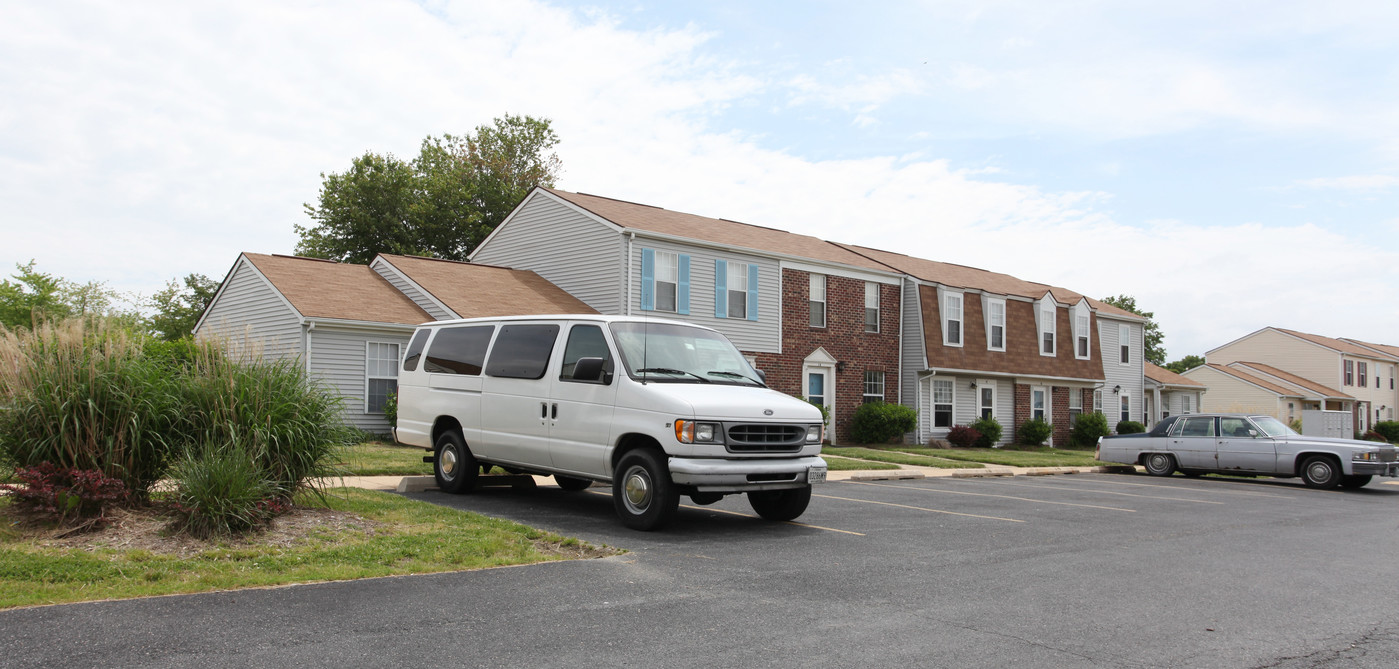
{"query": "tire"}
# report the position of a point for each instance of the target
(453, 465)
(642, 492)
(1356, 481)
(780, 505)
(1159, 464)
(1321, 472)
(706, 498)
(570, 484)
(1192, 473)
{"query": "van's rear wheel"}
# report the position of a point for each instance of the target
(453, 465)
(780, 505)
(570, 484)
(642, 493)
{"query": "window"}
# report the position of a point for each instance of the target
(1200, 426)
(996, 325)
(1098, 401)
(585, 341)
(415, 350)
(1075, 405)
(1047, 326)
(522, 351)
(1186, 408)
(665, 281)
(1037, 403)
(1124, 344)
(871, 306)
(459, 350)
(1291, 412)
(986, 398)
(1082, 321)
(738, 290)
(1126, 401)
(942, 403)
(1350, 372)
(874, 387)
(816, 388)
(1391, 377)
(380, 375)
(952, 319)
(1361, 368)
(817, 300)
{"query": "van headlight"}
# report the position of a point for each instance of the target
(813, 434)
(691, 432)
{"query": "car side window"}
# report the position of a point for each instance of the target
(522, 351)
(1199, 426)
(584, 341)
(1234, 427)
(459, 350)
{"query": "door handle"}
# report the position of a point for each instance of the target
(543, 409)
(555, 411)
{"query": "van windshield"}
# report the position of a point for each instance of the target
(680, 354)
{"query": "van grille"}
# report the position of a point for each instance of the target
(757, 438)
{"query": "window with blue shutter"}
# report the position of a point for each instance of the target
(721, 289)
(682, 298)
(752, 292)
(648, 280)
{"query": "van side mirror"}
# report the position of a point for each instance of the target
(762, 376)
(588, 369)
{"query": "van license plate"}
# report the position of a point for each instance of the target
(816, 475)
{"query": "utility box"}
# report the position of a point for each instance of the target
(1318, 423)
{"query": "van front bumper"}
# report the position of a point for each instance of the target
(721, 475)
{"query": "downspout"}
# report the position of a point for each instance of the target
(631, 237)
(900, 392)
(310, 327)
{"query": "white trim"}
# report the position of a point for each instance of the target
(988, 302)
(1013, 375)
(933, 403)
(1084, 331)
(369, 325)
(1040, 329)
(878, 307)
(821, 362)
(825, 300)
(995, 391)
(814, 268)
(367, 377)
(1124, 331)
(945, 297)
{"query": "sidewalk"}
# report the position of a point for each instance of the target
(906, 472)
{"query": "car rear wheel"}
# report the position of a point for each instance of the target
(1321, 472)
(571, 484)
(1159, 464)
(453, 465)
(780, 505)
(643, 494)
(1357, 481)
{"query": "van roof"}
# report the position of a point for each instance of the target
(566, 317)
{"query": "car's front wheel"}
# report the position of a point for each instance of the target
(1159, 464)
(780, 505)
(1321, 472)
(642, 493)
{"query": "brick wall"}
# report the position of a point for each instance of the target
(844, 337)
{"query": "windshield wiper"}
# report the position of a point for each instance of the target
(667, 370)
(734, 375)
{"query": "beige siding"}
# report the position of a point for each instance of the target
(1229, 394)
(248, 312)
(1285, 352)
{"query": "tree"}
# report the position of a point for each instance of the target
(441, 204)
(34, 297)
(1188, 362)
(178, 308)
(1151, 333)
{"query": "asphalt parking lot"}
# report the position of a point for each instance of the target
(1063, 571)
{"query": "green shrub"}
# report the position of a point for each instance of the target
(1034, 432)
(880, 422)
(962, 436)
(391, 409)
(825, 413)
(1088, 428)
(1371, 435)
(1296, 425)
(1130, 427)
(990, 432)
(221, 489)
(1388, 428)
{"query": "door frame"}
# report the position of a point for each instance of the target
(823, 363)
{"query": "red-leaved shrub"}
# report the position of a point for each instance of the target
(962, 436)
(64, 493)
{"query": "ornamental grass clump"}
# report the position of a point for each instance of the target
(221, 489)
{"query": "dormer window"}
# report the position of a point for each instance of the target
(995, 324)
(1047, 308)
(1082, 322)
(952, 319)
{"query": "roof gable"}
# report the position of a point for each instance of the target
(474, 291)
(326, 289)
(1167, 377)
(1293, 379)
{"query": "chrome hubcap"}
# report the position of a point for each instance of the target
(447, 461)
(1320, 471)
(1158, 462)
(636, 489)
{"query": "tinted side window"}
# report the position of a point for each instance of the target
(522, 351)
(584, 341)
(459, 350)
(415, 350)
(1199, 427)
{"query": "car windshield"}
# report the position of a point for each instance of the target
(1272, 426)
(680, 354)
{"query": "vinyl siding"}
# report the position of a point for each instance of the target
(571, 250)
(761, 336)
(1228, 394)
(965, 405)
(338, 361)
(1171, 400)
(396, 278)
(1115, 373)
(1285, 352)
(249, 311)
(914, 357)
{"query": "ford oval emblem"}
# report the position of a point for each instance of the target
(767, 412)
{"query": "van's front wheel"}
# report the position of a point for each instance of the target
(643, 494)
(454, 467)
(780, 505)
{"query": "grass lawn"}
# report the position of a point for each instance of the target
(376, 458)
(352, 534)
(1039, 457)
(900, 457)
(838, 464)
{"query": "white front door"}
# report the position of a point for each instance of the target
(819, 390)
(1040, 406)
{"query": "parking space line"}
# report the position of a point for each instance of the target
(746, 515)
(987, 494)
(1254, 493)
(1057, 486)
(920, 508)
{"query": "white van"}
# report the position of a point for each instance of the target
(658, 408)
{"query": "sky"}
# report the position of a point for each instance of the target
(1230, 165)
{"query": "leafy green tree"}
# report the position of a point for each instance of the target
(177, 308)
(1151, 332)
(1188, 362)
(35, 297)
(442, 203)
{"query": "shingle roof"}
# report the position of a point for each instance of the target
(1256, 380)
(326, 289)
(1293, 379)
(1335, 344)
(476, 291)
(1167, 377)
(1382, 348)
(716, 230)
